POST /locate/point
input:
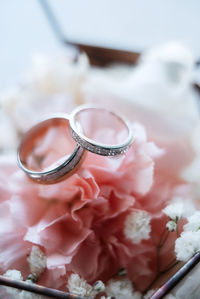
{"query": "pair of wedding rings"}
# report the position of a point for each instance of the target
(84, 141)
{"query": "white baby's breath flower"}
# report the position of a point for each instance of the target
(179, 208)
(188, 205)
(193, 222)
(137, 295)
(171, 226)
(187, 245)
(37, 261)
(16, 275)
(137, 226)
(174, 211)
(122, 272)
(121, 289)
(99, 286)
(28, 295)
(79, 286)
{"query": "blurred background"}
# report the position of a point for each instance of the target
(128, 25)
(160, 92)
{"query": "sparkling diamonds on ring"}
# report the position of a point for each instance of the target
(91, 145)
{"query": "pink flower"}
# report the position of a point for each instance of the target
(83, 214)
(79, 223)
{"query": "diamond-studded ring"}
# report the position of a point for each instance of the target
(28, 155)
(100, 131)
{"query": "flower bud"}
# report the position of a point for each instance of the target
(171, 226)
(122, 272)
(99, 286)
(32, 277)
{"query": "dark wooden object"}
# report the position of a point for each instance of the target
(104, 56)
(37, 289)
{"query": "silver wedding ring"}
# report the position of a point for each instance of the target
(90, 144)
(83, 141)
(54, 174)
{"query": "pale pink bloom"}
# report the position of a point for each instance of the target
(79, 222)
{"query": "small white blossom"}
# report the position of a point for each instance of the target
(137, 226)
(121, 289)
(79, 286)
(179, 208)
(122, 272)
(98, 286)
(171, 226)
(188, 205)
(37, 261)
(32, 278)
(174, 211)
(16, 275)
(137, 295)
(29, 295)
(103, 297)
(187, 245)
(193, 222)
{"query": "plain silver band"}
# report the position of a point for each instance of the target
(56, 174)
(94, 147)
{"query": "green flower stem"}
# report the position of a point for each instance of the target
(177, 231)
(172, 264)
